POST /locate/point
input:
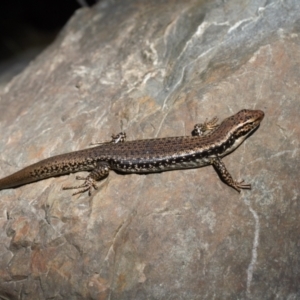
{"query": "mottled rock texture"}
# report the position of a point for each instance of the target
(154, 69)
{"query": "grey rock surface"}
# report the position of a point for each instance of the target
(154, 69)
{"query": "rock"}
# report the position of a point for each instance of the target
(154, 69)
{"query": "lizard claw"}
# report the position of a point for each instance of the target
(88, 184)
(238, 185)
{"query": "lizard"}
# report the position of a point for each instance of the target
(207, 145)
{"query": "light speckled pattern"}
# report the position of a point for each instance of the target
(206, 147)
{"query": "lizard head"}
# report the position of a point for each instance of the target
(239, 126)
(245, 122)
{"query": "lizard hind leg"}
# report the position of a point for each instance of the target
(115, 138)
(100, 172)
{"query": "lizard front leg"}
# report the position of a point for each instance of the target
(200, 129)
(100, 172)
(226, 177)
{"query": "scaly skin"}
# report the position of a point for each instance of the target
(209, 143)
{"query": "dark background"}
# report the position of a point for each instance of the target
(27, 27)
